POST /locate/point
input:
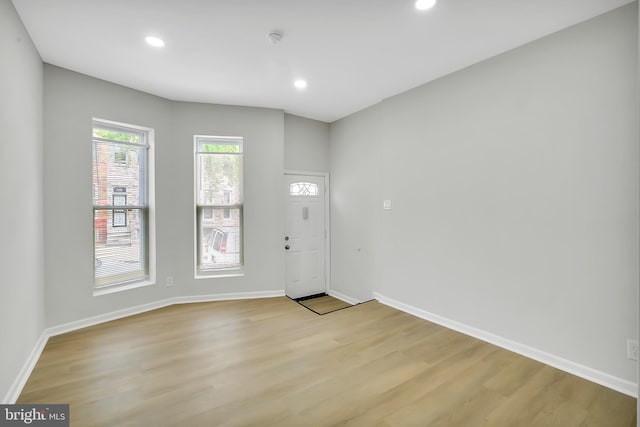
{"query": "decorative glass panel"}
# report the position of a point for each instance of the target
(303, 189)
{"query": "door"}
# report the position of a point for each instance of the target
(305, 238)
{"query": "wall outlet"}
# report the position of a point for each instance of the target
(169, 280)
(632, 349)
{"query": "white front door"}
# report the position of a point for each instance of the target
(304, 240)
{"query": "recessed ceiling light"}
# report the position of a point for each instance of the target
(300, 84)
(154, 41)
(425, 4)
(274, 37)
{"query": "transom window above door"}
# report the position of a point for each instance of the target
(304, 189)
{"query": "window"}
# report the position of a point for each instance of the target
(219, 204)
(119, 156)
(121, 217)
(303, 189)
(119, 199)
(119, 196)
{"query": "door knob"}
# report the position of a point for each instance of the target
(286, 238)
(287, 247)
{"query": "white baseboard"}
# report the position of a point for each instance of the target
(343, 297)
(107, 317)
(114, 315)
(30, 363)
(615, 383)
(227, 297)
(25, 372)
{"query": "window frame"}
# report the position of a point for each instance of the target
(226, 271)
(146, 204)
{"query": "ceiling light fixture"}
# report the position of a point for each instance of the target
(300, 84)
(425, 4)
(274, 37)
(154, 41)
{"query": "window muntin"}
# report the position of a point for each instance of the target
(120, 204)
(219, 204)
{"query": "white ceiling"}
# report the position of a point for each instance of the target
(353, 53)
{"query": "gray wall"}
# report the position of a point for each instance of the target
(263, 133)
(21, 245)
(306, 144)
(356, 154)
(70, 101)
(515, 187)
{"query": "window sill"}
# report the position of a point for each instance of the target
(123, 287)
(222, 273)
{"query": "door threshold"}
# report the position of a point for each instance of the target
(322, 294)
(322, 304)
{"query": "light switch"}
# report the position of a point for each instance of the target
(387, 205)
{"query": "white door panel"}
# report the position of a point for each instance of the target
(305, 235)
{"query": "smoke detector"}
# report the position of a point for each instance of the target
(274, 37)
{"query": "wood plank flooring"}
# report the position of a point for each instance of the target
(272, 362)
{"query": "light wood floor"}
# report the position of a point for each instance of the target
(271, 362)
